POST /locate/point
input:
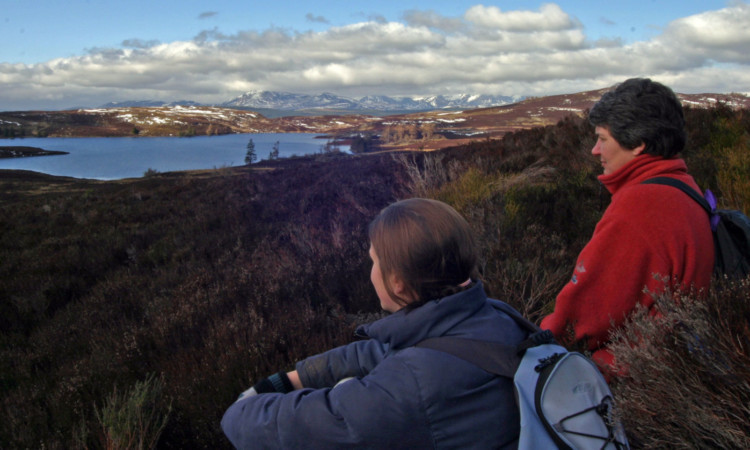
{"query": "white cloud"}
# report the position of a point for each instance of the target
(432, 19)
(722, 35)
(485, 51)
(549, 17)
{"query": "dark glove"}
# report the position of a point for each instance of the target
(278, 382)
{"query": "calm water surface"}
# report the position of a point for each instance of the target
(130, 157)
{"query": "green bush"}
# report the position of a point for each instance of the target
(718, 153)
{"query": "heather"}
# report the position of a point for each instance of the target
(133, 312)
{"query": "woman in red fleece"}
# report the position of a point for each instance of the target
(650, 234)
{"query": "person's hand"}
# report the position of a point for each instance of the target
(295, 380)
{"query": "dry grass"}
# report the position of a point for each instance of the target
(686, 372)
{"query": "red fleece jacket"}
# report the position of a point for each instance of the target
(647, 230)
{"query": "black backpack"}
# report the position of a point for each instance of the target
(730, 227)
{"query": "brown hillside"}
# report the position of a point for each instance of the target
(451, 127)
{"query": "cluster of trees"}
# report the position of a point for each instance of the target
(189, 132)
(215, 129)
(411, 131)
(11, 132)
(251, 156)
(331, 146)
(364, 144)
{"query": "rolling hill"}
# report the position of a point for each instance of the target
(450, 126)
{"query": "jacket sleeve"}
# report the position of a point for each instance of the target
(353, 360)
(616, 270)
(373, 411)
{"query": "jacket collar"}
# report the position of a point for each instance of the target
(642, 168)
(406, 328)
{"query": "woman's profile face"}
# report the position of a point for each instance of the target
(376, 277)
(612, 155)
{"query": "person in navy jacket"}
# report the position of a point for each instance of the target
(383, 392)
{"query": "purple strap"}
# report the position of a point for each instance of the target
(711, 199)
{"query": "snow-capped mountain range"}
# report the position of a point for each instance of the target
(291, 101)
(288, 101)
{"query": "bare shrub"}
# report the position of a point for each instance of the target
(527, 278)
(685, 371)
(133, 419)
(424, 178)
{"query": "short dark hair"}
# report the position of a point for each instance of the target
(427, 244)
(641, 111)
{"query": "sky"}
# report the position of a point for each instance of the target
(85, 53)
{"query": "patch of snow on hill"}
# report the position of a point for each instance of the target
(557, 108)
(103, 111)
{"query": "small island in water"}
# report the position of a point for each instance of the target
(21, 152)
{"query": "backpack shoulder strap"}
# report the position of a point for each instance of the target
(493, 357)
(522, 322)
(500, 359)
(666, 181)
(536, 336)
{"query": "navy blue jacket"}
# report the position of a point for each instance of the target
(400, 396)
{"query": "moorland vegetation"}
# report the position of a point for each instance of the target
(132, 312)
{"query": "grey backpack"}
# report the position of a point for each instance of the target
(564, 401)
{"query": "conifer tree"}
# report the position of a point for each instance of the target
(274, 154)
(250, 156)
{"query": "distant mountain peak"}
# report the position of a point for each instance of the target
(148, 104)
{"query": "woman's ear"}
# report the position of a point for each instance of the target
(638, 150)
(400, 288)
(396, 285)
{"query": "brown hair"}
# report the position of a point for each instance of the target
(427, 245)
